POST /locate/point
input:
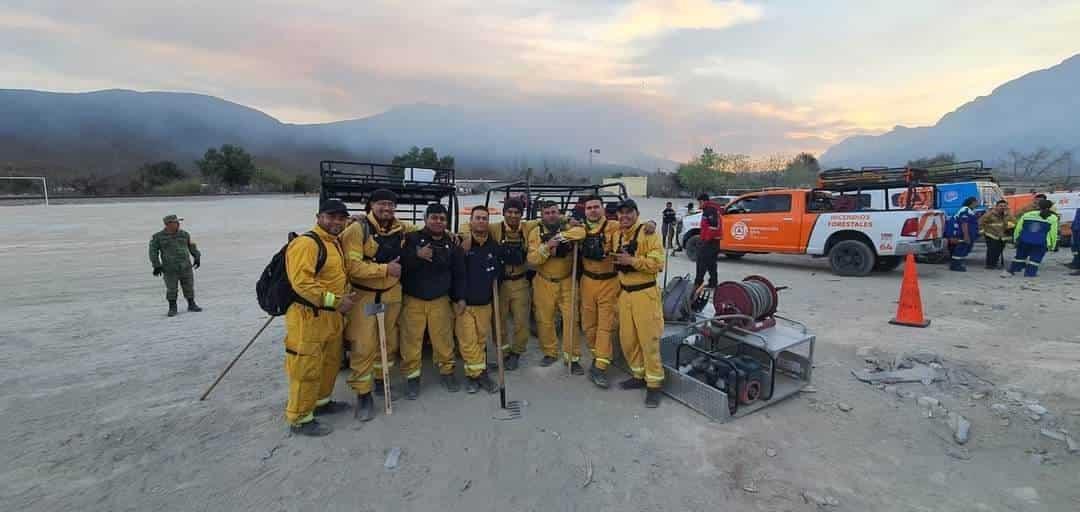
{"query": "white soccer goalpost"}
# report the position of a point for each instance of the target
(44, 183)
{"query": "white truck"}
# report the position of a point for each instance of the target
(856, 238)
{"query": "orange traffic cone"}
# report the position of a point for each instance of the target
(910, 312)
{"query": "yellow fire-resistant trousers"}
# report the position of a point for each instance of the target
(514, 302)
(641, 322)
(599, 305)
(362, 333)
(472, 328)
(312, 359)
(438, 318)
(549, 297)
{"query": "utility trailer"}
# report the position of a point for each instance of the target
(353, 183)
(567, 197)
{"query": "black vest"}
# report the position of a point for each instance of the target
(630, 248)
(593, 247)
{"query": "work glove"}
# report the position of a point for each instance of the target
(196, 264)
(158, 271)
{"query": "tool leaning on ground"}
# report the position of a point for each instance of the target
(513, 408)
(569, 339)
(235, 359)
(378, 310)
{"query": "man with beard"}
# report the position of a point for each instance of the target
(313, 323)
(550, 252)
(431, 260)
(373, 247)
(639, 258)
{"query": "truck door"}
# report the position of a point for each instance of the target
(762, 223)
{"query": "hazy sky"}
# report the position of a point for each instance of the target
(745, 76)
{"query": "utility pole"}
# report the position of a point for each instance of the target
(592, 151)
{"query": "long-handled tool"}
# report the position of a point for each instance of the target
(378, 310)
(512, 410)
(569, 329)
(235, 359)
(666, 260)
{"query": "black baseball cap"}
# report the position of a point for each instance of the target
(333, 206)
(383, 194)
(628, 204)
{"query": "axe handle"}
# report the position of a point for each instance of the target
(569, 329)
(498, 341)
(380, 318)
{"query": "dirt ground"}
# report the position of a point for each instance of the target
(101, 411)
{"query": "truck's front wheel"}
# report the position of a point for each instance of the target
(851, 258)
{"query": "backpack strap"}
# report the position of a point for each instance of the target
(321, 261)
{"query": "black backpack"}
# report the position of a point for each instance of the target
(273, 290)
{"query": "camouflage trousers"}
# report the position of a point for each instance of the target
(185, 277)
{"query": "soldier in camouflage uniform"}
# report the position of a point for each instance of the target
(171, 253)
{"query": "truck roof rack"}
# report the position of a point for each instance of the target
(847, 180)
(566, 196)
(353, 183)
(969, 170)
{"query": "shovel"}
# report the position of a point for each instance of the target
(507, 410)
(378, 310)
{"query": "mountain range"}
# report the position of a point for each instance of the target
(114, 131)
(1039, 109)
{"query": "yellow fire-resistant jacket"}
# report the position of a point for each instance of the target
(361, 268)
(611, 235)
(997, 227)
(552, 268)
(325, 289)
(648, 258)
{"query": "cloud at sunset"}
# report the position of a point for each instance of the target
(753, 77)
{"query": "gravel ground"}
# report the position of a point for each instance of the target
(102, 414)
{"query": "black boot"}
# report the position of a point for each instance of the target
(450, 383)
(192, 306)
(510, 362)
(380, 391)
(172, 308)
(632, 383)
(548, 361)
(652, 398)
(576, 369)
(412, 388)
(484, 381)
(331, 407)
(365, 407)
(471, 386)
(598, 377)
(312, 428)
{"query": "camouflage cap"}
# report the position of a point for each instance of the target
(171, 218)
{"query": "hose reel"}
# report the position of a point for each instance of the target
(755, 297)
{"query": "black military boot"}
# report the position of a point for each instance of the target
(312, 428)
(365, 407)
(192, 306)
(412, 388)
(450, 383)
(331, 407)
(172, 308)
(548, 361)
(471, 386)
(510, 362)
(598, 377)
(652, 398)
(632, 383)
(576, 369)
(484, 381)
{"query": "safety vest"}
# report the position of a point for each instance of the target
(1032, 229)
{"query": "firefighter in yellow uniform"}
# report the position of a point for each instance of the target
(431, 261)
(473, 291)
(514, 300)
(599, 287)
(373, 246)
(550, 252)
(639, 257)
(313, 324)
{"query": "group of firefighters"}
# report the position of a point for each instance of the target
(1034, 231)
(431, 281)
(434, 281)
